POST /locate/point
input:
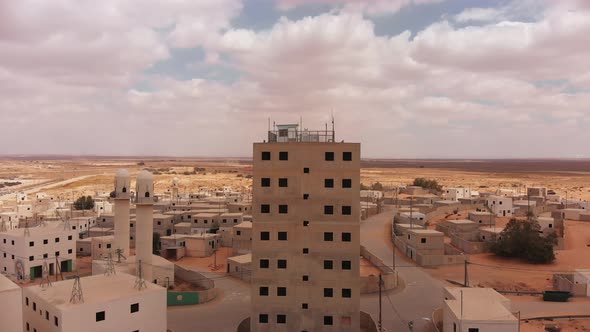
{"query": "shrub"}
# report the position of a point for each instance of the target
(523, 239)
(84, 203)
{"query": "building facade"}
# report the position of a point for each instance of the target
(305, 234)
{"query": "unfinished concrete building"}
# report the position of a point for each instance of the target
(305, 249)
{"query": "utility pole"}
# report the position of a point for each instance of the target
(380, 320)
(466, 275)
(411, 215)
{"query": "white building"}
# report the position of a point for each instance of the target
(546, 223)
(453, 194)
(11, 315)
(477, 310)
(501, 206)
(413, 217)
(9, 221)
(23, 253)
(110, 303)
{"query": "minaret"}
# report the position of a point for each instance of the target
(122, 194)
(144, 228)
(175, 189)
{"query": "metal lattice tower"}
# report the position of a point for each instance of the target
(27, 231)
(77, 295)
(139, 281)
(119, 253)
(45, 281)
(110, 269)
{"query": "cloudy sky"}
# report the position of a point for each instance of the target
(406, 78)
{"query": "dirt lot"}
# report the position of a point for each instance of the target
(565, 325)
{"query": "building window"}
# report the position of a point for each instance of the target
(346, 265)
(283, 209)
(328, 236)
(134, 307)
(281, 319)
(346, 237)
(32, 244)
(329, 156)
(328, 320)
(304, 306)
(328, 265)
(306, 170)
(347, 156)
(282, 263)
(328, 292)
(328, 209)
(56, 240)
(28, 327)
(264, 263)
(265, 182)
(283, 182)
(346, 183)
(263, 291)
(100, 316)
(346, 210)
(281, 291)
(328, 183)
(263, 318)
(70, 250)
(34, 306)
(265, 208)
(57, 254)
(346, 292)
(305, 251)
(283, 155)
(46, 315)
(45, 241)
(305, 223)
(282, 236)
(473, 329)
(305, 196)
(305, 278)
(423, 240)
(31, 258)
(265, 155)
(69, 237)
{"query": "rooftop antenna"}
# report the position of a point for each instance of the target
(27, 231)
(139, 281)
(119, 253)
(110, 270)
(45, 281)
(77, 295)
(333, 130)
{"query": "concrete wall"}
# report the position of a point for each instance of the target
(370, 284)
(11, 315)
(565, 283)
(194, 277)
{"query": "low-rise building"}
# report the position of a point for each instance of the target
(453, 194)
(240, 266)
(546, 223)
(569, 214)
(11, 314)
(413, 217)
(201, 245)
(487, 234)
(230, 219)
(242, 238)
(240, 207)
(583, 277)
(172, 247)
(477, 310)
(110, 303)
(24, 251)
(536, 191)
(480, 217)
(501, 206)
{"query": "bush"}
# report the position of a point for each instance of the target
(427, 183)
(377, 186)
(84, 203)
(523, 239)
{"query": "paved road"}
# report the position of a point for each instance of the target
(223, 314)
(422, 293)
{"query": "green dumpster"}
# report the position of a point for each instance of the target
(556, 296)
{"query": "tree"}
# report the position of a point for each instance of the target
(156, 243)
(377, 186)
(84, 203)
(523, 239)
(427, 184)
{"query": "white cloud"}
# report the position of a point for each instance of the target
(371, 7)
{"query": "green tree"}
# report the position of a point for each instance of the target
(427, 183)
(84, 203)
(377, 186)
(523, 239)
(156, 243)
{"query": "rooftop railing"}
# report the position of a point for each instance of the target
(283, 136)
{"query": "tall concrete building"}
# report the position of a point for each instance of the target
(305, 232)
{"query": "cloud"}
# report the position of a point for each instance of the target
(371, 7)
(77, 83)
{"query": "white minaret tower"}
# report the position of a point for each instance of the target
(175, 189)
(122, 194)
(144, 228)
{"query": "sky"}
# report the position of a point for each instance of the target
(406, 78)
